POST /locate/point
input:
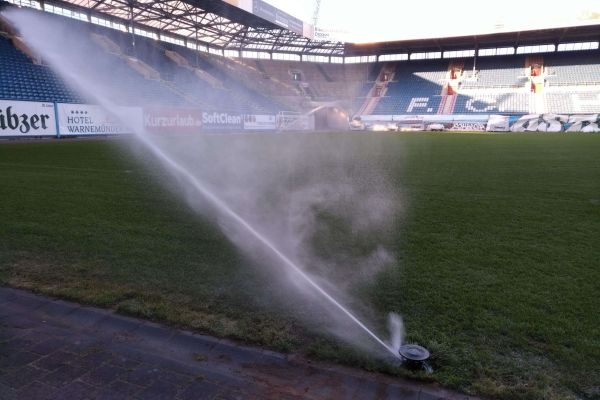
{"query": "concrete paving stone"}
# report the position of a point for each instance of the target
(238, 355)
(54, 330)
(350, 389)
(84, 317)
(125, 388)
(5, 349)
(21, 377)
(31, 301)
(93, 359)
(108, 394)
(201, 390)
(115, 324)
(193, 343)
(58, 308)
(7, 294)
(17, 307)
(21, 343)
(151, 358)
(38, 334)
(20, 321)
(63, 375)
(55, 360)
(221, 376)
(323, 389)
(48, 346)
(11, 311)
(8, 333)
(17, 359)
(154, 332)
(371, 390)
(103, 375)
(132, 353)
(7, 393)
(119, 360)
(144, 375)
(76, 390)
(228, 395)
(158, 390)
(6, 311)
(424, 395)
(175, 378)
(83, 345)
(177, 367)
(397, 392)
(37, 391)
(231, 381)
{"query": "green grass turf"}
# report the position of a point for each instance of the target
(498, 270)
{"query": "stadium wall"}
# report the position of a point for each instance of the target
(486, 122)
(33, 119)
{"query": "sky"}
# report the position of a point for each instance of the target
(382, 20)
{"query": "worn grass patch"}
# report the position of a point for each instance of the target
(498, 246)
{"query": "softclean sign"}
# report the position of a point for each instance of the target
(24, 118)
(222, 121)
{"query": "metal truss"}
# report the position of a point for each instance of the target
(204, 22)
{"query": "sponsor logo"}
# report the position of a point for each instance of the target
(176, 121)
(24, 122)
(468, 126)
(216, 118)
(79, 121)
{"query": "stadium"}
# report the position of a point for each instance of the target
(206, 199)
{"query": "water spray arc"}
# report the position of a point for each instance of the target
(225, 209)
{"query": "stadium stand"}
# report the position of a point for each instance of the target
(416, 88)
(21, 79)
(152, 72)
(143, 72)
(314, 81)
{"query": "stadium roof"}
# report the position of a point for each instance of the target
(211, 22)
(219, 25)
(509, 39)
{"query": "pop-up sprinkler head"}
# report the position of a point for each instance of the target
(413, 352)
(415, 357)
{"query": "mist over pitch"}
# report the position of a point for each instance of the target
(268, 193)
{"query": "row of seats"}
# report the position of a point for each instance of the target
(20, 79)
(574, 69)
(497, 72)
(486, 103)
(573, 102)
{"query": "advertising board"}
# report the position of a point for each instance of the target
(172, 120)
(85, 120)
(24, 118)
(260, 122)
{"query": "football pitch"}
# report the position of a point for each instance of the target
(497, 266)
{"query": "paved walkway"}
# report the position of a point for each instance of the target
(52, 349)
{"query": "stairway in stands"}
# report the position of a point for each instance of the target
(378, 89)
